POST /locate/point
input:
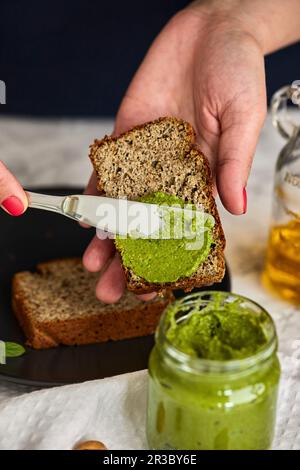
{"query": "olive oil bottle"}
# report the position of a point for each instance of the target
(282, 267)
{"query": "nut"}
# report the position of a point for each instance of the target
(90, 445)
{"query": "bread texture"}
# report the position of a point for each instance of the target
(161, 156)
(57, 305)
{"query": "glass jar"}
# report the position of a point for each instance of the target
(282, 266)
(201, 404)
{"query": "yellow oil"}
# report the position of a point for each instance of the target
(282, 269)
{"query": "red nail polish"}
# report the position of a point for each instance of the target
(244, 201)
(13, 205)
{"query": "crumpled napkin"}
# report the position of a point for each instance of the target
(287, 436)
(109, 410)
(113, 411)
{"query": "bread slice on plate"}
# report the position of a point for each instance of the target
(57, 305)
(161, 156)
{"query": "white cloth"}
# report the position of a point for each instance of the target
(110, 410)
(113, 410)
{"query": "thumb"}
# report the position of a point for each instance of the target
(91, 187)
(239, 135)
(13, 198)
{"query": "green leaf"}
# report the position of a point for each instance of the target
(13, 349)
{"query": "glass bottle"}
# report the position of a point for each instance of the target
(282, 266)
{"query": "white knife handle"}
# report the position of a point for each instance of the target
(46, 202)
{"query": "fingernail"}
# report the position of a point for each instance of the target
(244, 201)
(13, 205)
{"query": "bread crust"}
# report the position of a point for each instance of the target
(116, 325)
(187, 284)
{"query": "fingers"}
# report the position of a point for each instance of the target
(91, 187)
(146, 297)
(97, 254)
(111, 284)
(208, 133)
(13, 198)
(239, 136)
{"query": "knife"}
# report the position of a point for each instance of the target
(119, 216)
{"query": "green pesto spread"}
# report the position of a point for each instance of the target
(219, 331)
(166, 260)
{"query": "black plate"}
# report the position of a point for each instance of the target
(40, 236)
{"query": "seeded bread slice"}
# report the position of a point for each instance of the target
(161, 156)
(57, 305)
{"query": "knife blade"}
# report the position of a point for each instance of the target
(121, 216)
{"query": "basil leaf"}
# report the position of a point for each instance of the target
(13, 349)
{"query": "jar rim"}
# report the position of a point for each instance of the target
(198, 364)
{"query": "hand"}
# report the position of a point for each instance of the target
(206, 68)
(13, 198)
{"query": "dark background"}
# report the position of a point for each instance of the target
(77, 57)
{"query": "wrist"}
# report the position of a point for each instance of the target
(235, 16)
(272, 23)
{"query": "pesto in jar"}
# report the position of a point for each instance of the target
(213, 375)
(222, 331)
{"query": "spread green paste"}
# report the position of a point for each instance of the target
(220, 331)
(166, 260)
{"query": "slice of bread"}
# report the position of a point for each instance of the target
(161, 156)
(57, 305)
